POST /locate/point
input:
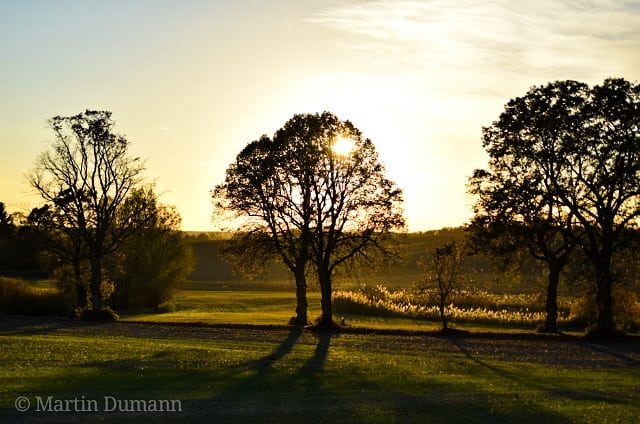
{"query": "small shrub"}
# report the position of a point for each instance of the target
(166, 307)
(583, 311)
(17, 297)
(626, 309)
(104, 314)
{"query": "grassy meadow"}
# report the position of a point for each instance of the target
(282, 375)
(227, 355)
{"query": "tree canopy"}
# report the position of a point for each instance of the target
(565, 159)
(313, 201)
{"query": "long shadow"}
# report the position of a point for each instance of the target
(571, 394)
(279, 352)
(627, 360)
(37, 325)
(315, 365)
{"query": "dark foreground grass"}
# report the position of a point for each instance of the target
(282, 375)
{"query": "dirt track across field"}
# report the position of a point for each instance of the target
(560, 350)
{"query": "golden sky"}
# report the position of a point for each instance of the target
(192, 82)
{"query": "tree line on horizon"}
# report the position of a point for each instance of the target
(562, 186)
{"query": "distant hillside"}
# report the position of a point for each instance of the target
(210, 266)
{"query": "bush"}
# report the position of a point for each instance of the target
(17, 297)
(152, 265)
(626, 309)
(104, 314)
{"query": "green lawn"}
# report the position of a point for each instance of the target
(303, 377)
(226, 371)
(272, 304)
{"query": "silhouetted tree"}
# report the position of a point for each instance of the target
(6, 221)
(7, 233)
(270, 204)
(312, 202)
(582, 147)
(85, 177)
(356, 208)
(441, 273)
(65, 243)
(515, 211)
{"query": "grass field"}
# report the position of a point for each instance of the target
(226, 355)
(222, 374)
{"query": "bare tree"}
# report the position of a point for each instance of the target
(85, 176)
(441, 274)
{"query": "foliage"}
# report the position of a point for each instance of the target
(576, 149)
(626, 309)
(84, 177)
(17, 297)
(152, 264)
(250, 254)
(19, 256)
(104, 314)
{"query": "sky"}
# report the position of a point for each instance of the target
(190, 83)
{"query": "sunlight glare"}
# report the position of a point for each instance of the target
(343, 146)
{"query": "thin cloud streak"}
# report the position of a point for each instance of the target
(478, 40)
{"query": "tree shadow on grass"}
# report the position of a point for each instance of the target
(314, 366)
(623, 353)
(18, 325)
(570, 394)
(303, 378)
(279, 352)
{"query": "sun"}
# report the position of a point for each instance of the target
(343, 146)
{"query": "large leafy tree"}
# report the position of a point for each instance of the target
(578, 149)
(84, 177)
(270, 207)
(314, 202)
(515, 210)
(357, 209)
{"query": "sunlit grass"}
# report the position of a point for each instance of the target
(305, 378)
(233, 307)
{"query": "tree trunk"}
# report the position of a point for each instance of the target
(96, 280)
(324, 278)
(443, 317)
(604, 302)
(551, 321)
(81, 290)
(301, 298)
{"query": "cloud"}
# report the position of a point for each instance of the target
(494, 42)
